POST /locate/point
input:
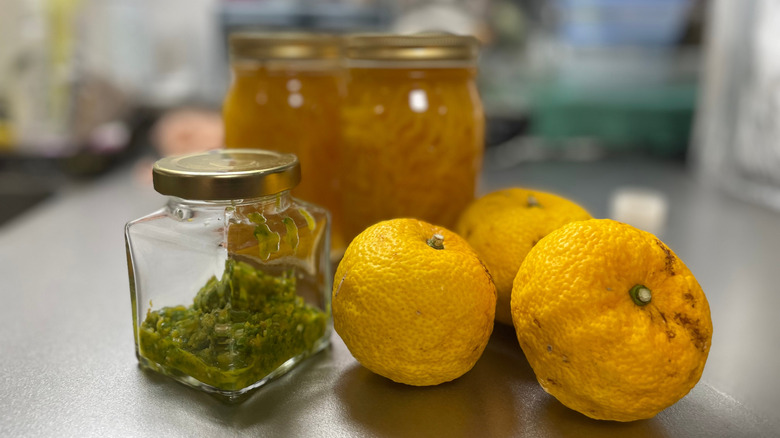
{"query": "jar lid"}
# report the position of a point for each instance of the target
(417, 47)
(287, 46)
(226, 174)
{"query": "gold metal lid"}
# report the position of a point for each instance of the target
(417, 47)
(226, 174)
(284, 46)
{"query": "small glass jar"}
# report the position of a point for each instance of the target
(230, 281)
(413, 129)
(285, 95)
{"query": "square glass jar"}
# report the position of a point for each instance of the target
(230, 281)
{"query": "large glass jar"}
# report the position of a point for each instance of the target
(230, 281)
(285, 95)
(413, 129)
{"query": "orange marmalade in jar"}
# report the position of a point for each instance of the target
(413, 129)
(285, 96)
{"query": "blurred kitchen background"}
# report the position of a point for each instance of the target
(87, 86)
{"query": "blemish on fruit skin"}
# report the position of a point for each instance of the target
(699, 340)
(549, 348)
(536, 321)
(694, 372)
(338, 288)
(484, 268)
(552, 382)
(670, 334)
(669, 262)
(565, 358)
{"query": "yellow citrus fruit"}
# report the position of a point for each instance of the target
(612, 322)
(413, 302)
(504, 225)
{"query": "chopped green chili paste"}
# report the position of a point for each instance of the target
(238, 330)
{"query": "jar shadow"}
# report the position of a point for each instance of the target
(269, 407)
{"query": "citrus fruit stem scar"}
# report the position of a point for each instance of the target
(640, 294)
(436, 241)
(532, 201)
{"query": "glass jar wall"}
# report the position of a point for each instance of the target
(230, 281)
(413, 129)
(285, 95)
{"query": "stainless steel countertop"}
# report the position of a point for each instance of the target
(68, 368)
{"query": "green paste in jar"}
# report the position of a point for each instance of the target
(238, 330)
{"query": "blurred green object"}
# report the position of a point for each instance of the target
(654, 118)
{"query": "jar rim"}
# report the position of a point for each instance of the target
(284, 46)
(226, 174)
(415, 47)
